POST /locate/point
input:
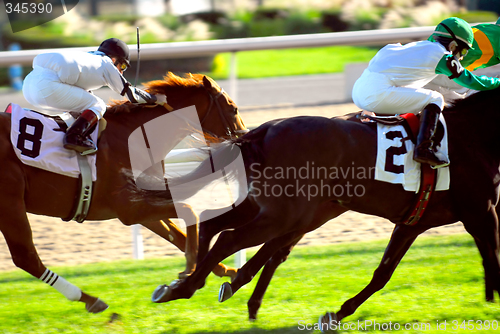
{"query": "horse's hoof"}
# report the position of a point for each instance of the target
(225, 292)
(97, 307)
(175, 283)
(162, 292)
(160, 295)
(328, 323)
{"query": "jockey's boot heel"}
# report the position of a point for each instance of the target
(76, 137)
(424, 151)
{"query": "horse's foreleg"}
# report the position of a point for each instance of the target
(233, 218)
(18, 236)
(187, 243)
(401, 240)
(258, 231)
(191, 250)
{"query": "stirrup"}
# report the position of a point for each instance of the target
(77, 148)
(88, 152)
(444, 164)
(426, 160)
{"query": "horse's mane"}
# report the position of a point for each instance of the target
(158, 87)
(474, 102)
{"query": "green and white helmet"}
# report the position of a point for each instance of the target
(456, 29)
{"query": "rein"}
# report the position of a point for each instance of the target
(214, 100)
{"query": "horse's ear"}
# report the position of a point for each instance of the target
(210, 85)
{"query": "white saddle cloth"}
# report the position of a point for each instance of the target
(37, 143)
(395, 162)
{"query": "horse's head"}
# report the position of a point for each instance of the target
(217, 112)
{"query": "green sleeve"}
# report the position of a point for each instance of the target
(464, 77)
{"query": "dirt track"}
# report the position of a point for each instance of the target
(68, 243)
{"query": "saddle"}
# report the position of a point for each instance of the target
(409, 121)
(428, 176)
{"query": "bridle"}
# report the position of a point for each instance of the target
(214, 100)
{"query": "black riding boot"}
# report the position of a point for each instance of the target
(424, 151)
(76, 137)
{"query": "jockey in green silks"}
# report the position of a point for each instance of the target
(485, 50)
(395, 78)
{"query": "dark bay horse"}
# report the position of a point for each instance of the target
(28, 189)
(280, 208)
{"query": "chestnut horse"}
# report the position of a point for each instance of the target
(28, 189)
(279, 219)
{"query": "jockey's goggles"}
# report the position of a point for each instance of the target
(464, 50)
(121, 66)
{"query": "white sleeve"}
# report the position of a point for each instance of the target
(113, 78)
(119, 84)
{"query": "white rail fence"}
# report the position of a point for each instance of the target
(159, 51)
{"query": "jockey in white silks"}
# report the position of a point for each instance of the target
(63, 81)
(394, 80)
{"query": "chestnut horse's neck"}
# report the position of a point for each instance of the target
(137, 130)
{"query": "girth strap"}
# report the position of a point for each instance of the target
(82, 200)
(427, 187)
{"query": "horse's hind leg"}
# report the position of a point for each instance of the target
(268, 255)
(486, 237)
(18, 235)
(402, 238)
(271, 254)
(267, 274)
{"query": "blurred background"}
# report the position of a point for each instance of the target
(91, 21)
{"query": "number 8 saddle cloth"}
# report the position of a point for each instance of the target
(37, 140)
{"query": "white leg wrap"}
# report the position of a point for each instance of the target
(69, 290)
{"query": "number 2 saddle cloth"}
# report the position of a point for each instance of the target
(395, 162)
(37, 140)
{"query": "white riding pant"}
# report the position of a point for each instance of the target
(43, 89)
(375, 92)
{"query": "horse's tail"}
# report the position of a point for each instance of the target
(222, 161)
(182, 187)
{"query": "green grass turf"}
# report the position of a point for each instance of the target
(273, 63)
(440, 279)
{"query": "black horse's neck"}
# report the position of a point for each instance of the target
(479, 113)
(474, 129)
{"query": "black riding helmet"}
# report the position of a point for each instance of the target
(113, 47)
